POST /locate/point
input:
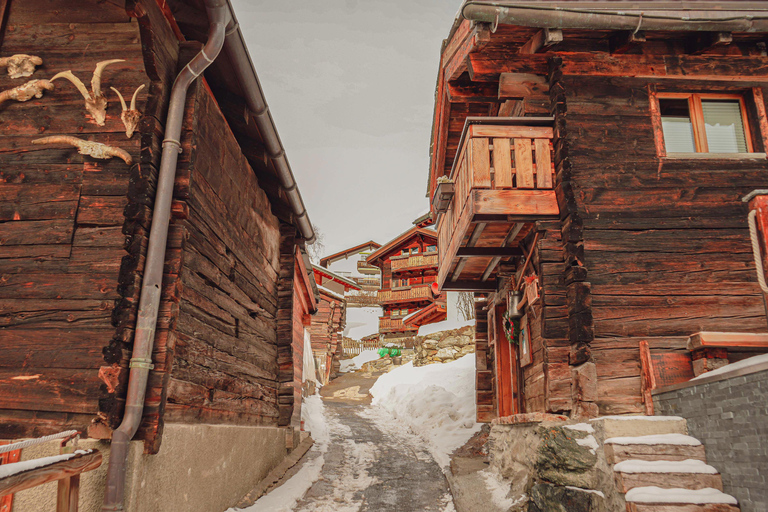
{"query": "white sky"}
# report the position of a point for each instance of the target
(350, 84)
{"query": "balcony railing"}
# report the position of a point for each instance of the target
(415, 261)
(368, 282)
(503, 178)
(366, 268)
(418, 292)
(392, 324)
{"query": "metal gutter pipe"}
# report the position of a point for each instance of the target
(624, 16)
(234, 47)
(141, 360)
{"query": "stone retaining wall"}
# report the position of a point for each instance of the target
(730, 416)
(444, 346)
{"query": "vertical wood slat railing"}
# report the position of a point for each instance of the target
(419, 260)
(390, 323)
(352, 347)
(414, 292)
(497, 158)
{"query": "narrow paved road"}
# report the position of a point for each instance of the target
(372, 462)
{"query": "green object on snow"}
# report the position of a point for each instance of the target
(390, 351)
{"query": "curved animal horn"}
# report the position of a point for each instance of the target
(96, 80)
(78, 83)
(122, 101)
(133, 99)
(85, 147)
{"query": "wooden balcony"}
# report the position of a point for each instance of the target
(365, 268)
(503, 179)
(387, 324)
(400, 263)
(406, 294)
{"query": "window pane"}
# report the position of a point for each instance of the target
(676, 125)
(724, 126)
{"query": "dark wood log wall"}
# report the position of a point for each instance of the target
(484, 364)
(61, 221)
(326, 324)
(655, 250)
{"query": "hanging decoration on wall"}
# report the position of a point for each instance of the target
(95, 101)
(511, 328)
(130, 116)
(20, 65)
(27, 91)
(532, 288)
(85, 147)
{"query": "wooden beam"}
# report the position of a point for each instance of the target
(622, 42)
(542, 40)
(512, 108)
(515, 202)
(702, 43)
(733, 340)
(519, 86)
(468, 92)
(507, 240)
(479, 252)
(473, 238)
(50, 473)
(470, 286)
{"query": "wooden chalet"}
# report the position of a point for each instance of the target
(409, 269)
(237, 289)
(364, 274)
(328, 323)
(587, 170)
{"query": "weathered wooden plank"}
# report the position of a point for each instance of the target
(79, 463)
(502, 163)
(479, 162)
(543, 164)
(523, 163)
(51, 389)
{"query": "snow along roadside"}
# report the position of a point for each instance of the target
(284, 498)
(437, 403)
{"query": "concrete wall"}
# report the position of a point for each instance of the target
(200, 468)
(730, 416)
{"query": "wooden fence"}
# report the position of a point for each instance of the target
(352, 347)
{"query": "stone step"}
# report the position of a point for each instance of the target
(666, 474)
(655, 499)
(631, 426)
(654, 447)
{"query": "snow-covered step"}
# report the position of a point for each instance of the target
(654, 447)
(656, 499)
(683, 474)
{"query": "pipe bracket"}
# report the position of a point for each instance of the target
(140, 362)
(174, 142)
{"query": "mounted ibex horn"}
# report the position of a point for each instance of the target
(27, 91)
(20, 65)
(86, 147)
(95, 102)
(130, 116)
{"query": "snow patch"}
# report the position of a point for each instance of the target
(358, 361)
(590, 442)
(14, 468)
(582, 427)
(739, 365)
(674, 439)
(437, 402)
(664, 466)
(446, 325)
(499, 489)
(590, 491)
(654, 494)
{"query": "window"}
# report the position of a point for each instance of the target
(404, 252)
(414, 250)
(431, 248)
(704, 123)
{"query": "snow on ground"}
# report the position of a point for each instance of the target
(658, 495)
(744, 363)
(362, 322)
(437, 402)
(446, 325)
(664, 466)
(499, 488)
(357, 362)
(284, 498)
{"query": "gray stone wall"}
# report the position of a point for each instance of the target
(730, 417)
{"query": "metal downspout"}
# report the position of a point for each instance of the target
(235, 48)
(141, 360)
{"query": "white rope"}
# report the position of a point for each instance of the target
(756, 250)
(32, 442)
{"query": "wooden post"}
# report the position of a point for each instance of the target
(68, 494)
(760, 204)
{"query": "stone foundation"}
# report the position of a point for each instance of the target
(444, 346)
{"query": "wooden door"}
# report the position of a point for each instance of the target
(504, 358)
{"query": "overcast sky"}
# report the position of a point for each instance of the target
(350, 85)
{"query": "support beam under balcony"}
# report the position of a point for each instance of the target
(470, 286)
(502, 252)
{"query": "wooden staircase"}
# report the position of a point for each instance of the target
(666, 473)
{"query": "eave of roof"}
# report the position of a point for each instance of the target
(398, 240)
(370, 244)
(335, 277)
